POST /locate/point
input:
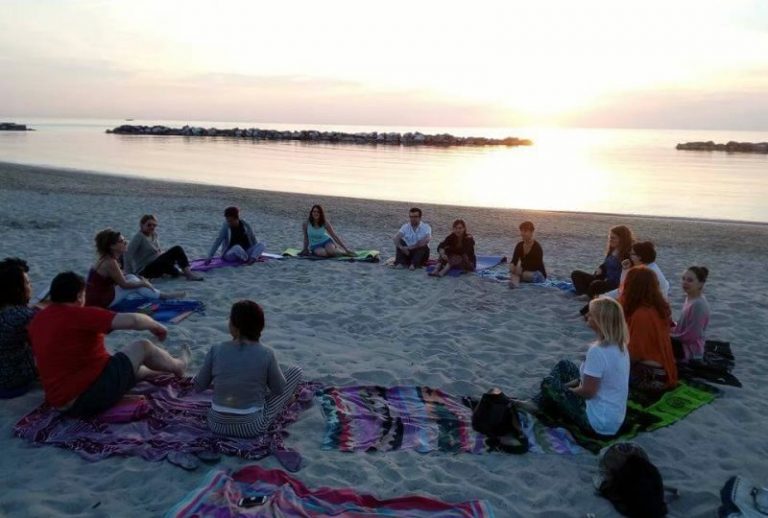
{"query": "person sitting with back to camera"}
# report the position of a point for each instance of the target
(653, 367)
(78, 375)
(249, 387)
(17, 363)
(319, 237)
(236, 238)
(527, 264)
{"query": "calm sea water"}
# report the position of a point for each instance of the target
(594, 170)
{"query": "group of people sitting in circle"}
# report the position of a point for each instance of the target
(62, 342)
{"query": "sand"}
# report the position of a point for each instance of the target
(369, 324)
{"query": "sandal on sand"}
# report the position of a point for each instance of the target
(183, 460)
(208, 456)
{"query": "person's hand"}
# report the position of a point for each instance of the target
(598, 272)
(405, 250)
(159, 330)
(146, 283)
(626, 264)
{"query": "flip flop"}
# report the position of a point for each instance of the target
(183, 460)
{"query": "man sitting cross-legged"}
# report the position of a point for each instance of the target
(78, 375)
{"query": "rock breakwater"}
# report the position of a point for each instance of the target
(730, 147)
(336, 137)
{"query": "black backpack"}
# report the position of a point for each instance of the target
(496, 417)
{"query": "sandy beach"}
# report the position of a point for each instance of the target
(368, 324)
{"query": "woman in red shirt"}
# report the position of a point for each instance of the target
(647, 313)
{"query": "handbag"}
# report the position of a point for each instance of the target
(496, 417)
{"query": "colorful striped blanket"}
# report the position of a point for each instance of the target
(374, 418)
(220, 493)
(158, 417)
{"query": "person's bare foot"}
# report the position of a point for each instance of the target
(185, 358)
(192, 276)
(412, 267)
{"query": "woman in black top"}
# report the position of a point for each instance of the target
(527, 263)
(456, 251)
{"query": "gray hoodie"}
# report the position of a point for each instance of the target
(225, 236)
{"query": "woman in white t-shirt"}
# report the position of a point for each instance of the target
(594, 395)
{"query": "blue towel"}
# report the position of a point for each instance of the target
(160, 310)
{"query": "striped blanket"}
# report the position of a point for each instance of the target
(220, 495)
(373, 418)
(156, 418)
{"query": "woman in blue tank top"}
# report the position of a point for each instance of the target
(319, 237)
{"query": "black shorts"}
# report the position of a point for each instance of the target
(115, 380)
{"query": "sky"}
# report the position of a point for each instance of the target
(657, 64)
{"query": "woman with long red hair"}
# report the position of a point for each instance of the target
(650, 351)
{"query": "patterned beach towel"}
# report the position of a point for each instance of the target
(646, 416)
(220, 493)
(198, 265)
(159, 417)
(169, 311)
(484, 262)
(374, 418)
(361, 256)
(502, 275)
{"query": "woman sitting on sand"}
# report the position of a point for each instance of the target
(594, 396)
(107, 285)
(17, 364)
(650, 352)
(319, 237)
(688, 334)
(527, 263)
(456, 251)
(607, 276)
(643, 253)
(249, 388)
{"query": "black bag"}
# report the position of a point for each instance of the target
(496, 416)
(631, 482)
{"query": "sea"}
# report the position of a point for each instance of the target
(619, 171)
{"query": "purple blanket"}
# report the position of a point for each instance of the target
(156, 418)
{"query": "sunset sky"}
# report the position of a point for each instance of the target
(681, 64)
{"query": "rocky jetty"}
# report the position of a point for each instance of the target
(336, 137)
(12, 126)
(730, 147)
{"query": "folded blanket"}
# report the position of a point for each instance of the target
(156, 418)
(198, 265)
(647, 416)
(484, 262)
(220, 494)
(171, 311)
(363, 256)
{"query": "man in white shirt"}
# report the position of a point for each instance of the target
(411, 242)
